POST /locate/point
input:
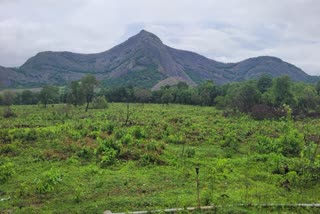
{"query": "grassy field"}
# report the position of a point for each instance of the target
(63, 160)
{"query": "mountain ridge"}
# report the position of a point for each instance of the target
(143, 60)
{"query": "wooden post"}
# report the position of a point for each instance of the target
(198, 191)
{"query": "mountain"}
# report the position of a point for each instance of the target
(142, 60)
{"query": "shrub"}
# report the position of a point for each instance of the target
(291, 143)
(263, 111)
(127, 139)
(10, 149)
(138, 133)
(231, 143)
(190, 152)
(99, 103)
(175, 139)
(108, 157)
(48, 182)
(7, 113)
(85, 153)
(109, 128)
(267, 145)
(107, 152)
(6, 172)
(150, 159)
(4, 136)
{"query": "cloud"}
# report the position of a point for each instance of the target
(229, 31)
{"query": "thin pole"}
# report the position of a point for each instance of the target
(198, 191)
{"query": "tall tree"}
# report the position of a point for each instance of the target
(318, 87)
(88, 85)
(246, 97)
(264, 83)
(208, 92)
(8, 98)
(282, 91)
(49, 94)
(75, 94)
(142, 95)
(27, 97)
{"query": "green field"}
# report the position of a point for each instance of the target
(60, 159)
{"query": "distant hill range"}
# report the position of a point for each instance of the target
(143, 60)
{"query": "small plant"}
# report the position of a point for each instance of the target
(6, 172)
(48, 182)
(139, 133)
(190, 152)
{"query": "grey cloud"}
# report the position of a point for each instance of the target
(230, 30)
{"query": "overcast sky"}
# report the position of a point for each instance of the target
(228, 30)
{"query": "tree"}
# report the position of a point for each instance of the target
(264, 83)
(88, 85)
(49, 94)
(208, 92)
(282, 91)
(246, 97)
(142, 95)
(75, 94)
(167, 97)
(27, 97)
(8, 98)
(318, 87)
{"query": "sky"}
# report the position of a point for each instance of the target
(227, 31)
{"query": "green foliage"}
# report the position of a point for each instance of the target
(264, 83)
(6, 171)
(282, 91)
(8, 112)
(145, 165)
(48, 181)
(138, 132)
(291, 143)
(99, 103)
(8, 97)
(49, 95)
(318, 87)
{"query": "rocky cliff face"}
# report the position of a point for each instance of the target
(143, 60)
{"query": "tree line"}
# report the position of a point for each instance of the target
(262, 98)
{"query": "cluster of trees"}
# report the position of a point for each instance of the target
(76, 93)
(264, 97)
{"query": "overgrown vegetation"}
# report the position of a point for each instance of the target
(65, 160)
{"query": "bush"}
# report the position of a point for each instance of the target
(267, 145)
(291, 143)
(263, 111)
(190, 152)
(4, 136)
(48, 182)
(139, 133)
(107, 152)
(10, 149)
(175, 139)
(99, 103)
(7, 113)
(108, 157)
(6, 172)
(150, 159)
